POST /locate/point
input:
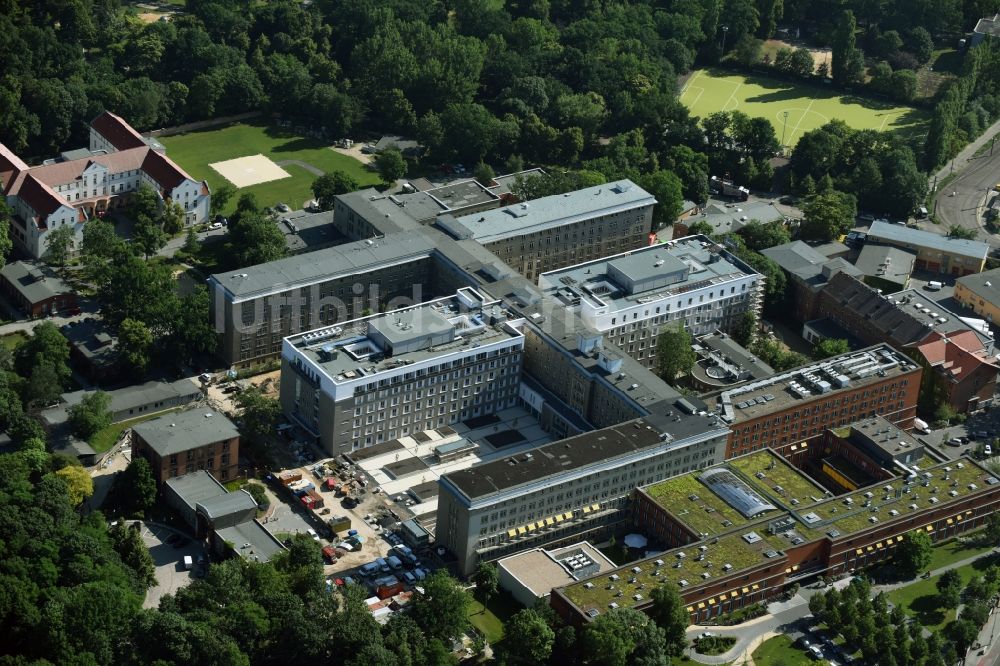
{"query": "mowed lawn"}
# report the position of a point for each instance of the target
(919, 599)
(194, 151)
(808, 107)
(779, 651)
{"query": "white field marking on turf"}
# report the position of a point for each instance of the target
(796, 128)
(701, 91)
(884, 121)
(690, 81)
(725, 107)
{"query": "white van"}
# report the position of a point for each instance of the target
(934, 285)
(188, 563)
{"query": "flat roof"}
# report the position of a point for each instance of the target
(252, 541)
(748, 544)
(539, 570)
(34, 281)
(224, 505)
(886, 263)
(306, 232)
(548, 212)
(503, 183)
(725, 217)
(694, 261)
(807, 263)
(196, 487)
(735, 353)
(355, 349)
(182, 431)
(986, 285)
(883, 435)
(321, 265)
(895, 233)
(821, 380)
(935, 316)
(575, 453)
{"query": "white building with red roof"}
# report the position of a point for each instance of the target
(84, 183)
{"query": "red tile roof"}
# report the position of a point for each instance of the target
(957, 355)
(10, 166)
(39, 196)
(118, 132)
(163, 170)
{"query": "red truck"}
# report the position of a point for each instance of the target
(386, 591)
(330, 553)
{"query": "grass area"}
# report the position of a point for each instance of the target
(706, 512)
(779, 651)
(919, 599)
(13, 341)
(196, 150)
(104, 439)
(777, 474)
(807, 106)
(955, 551)
(490, 620)
(853, 516)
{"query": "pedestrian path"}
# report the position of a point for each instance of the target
(752, 633)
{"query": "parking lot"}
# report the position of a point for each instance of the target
(168, 548)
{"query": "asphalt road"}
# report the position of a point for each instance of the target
(973, 189)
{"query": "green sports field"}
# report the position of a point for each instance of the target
(194, 151)
(808, 107)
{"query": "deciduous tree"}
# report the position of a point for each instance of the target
(390, 165)
(329, 185)
(58, 244)
(136, 487)
(78, 483)
(670, 615)
(530, 640)
(674, 354)
(91, 414)
(258, 413)
(830, 347)
(441, 610)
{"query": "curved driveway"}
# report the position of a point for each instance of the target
(973, 188)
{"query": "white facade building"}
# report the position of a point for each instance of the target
(87, 182)
(385, 376)
(631, 296)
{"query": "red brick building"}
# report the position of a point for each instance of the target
(36, 290)
(185, 442)
(801, 403)
(721, 559)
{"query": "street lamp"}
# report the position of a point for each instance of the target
(783, 128)
(725, 29)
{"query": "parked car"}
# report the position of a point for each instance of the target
(283, 207)
(409, 578)
(988, 451)
(369, 569)
(954, 441)
(382, 565)
(215, 225)
(815, 652)
(419, 574)
(311, 532)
